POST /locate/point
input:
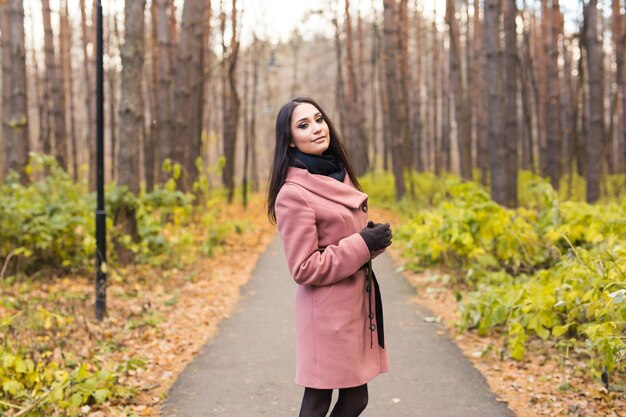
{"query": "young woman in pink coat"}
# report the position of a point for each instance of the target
(321, 213)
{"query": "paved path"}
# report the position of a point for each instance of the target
(248, 370)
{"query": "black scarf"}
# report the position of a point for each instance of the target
(325, 164)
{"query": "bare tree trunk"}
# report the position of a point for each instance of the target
(437, 140)
(510, 132)
(164, 123)
(567, 104)
(396, 62)
(355, 120)
(340, 90)
(622, 86)
(416, 115)
(68, 83)
(47, 132)
(132, 103)
(246, 110)
(230, 104)
(361, 90)
(131, 116)
(256, 58)
(580, 140)
(40, 122)
(384, 105)
(542, 52)
(16, 141)
(469, 81)
(461, 104)
(189, 89)
(596, 102)
(527, 88)
(619, 43)
(552, 106)
(89, 99)
(479, 67)
(5, 41)
(497, 147)
(112, 97)
(446, 117)
(54, 86)
(534, 50)
(149, 147)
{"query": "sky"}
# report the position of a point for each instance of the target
(277, 19)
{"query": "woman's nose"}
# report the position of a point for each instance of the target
(317, 127)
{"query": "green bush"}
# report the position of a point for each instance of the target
(551, 269)
(50, 221)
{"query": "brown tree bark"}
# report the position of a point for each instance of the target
(231, 102)
(527, 89)
(56, 93)
(493, 80)
(461, 104)
(417, 127)
(446, 117)
(249, 109)
(595, 138)
(552, 104)
(384, 105)
(189, 90)
(510, 132)
(5, 45)
(89, 80)
(395, 62)
(65, 42)
(113, 97)
(355, 135)
(340, 99)
(40, 121)
(164, 122)
(48, 133)
(621, 46)
(150, 144)
(619, 43)
(131, 105)
(435, 99)
(480, 98)
(16, 141)
(567, 103)
(362, 89)
(542, 51)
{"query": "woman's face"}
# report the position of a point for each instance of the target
(309, 131)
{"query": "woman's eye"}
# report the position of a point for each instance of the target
(302, 126)
(319, 120)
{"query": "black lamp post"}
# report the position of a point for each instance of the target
(101, 255)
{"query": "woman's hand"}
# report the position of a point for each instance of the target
(377, 236)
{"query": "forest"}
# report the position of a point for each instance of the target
(491, 134)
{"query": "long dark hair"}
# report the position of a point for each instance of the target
(282, 158)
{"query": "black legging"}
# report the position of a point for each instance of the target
(351, 402)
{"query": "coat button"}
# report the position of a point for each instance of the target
(367, 288)
(364, 208)
(372, 327)
(371, 316)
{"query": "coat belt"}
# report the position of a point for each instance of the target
(370, 278)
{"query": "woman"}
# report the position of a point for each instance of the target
(321, 213)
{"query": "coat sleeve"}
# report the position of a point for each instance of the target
(307, 263)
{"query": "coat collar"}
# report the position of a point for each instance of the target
(329, 188)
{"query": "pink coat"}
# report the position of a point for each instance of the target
(319, 219)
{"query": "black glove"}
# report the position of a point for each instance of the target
(376, 235)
